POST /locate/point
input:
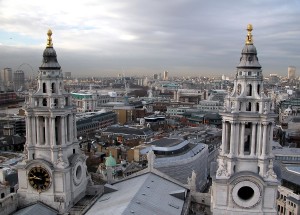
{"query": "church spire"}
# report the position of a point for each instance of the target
(49, 40)
(249, 40)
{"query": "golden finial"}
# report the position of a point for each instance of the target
(49, 40)
(249, 40)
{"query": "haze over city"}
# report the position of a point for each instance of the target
(105, 38)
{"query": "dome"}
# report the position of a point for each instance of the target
(49, 56)
(110, 161)
(249, 49)
(249, 58)
(288, 111)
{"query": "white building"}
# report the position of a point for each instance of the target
(210, 106)
(53, 170)
(244, 181)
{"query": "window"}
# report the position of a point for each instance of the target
(249, 90)
(44, 102)
(53, 87)
(248, 107)
(44, 88)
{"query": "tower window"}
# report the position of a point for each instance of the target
(257, 106)
(249, 90)
(44, 88)
(248, 108)
(53, 87)
(44, 102)
(245, 193)
(258, 89)
(55, 102)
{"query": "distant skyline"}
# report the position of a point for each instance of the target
(142, 37)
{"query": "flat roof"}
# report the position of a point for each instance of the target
(146, 194)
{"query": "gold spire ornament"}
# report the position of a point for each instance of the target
(249, 40)
(49, 40)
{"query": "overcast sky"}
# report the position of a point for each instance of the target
(143, 37)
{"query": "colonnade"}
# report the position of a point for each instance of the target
(50, 130)
(257, 138)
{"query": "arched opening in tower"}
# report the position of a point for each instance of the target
(249, 90)
(44, 88)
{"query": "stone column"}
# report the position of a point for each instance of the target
(74, 127)
(270, 138)
(242, 139)
(223, 137)
(253, 138)
(259, 139)
(236, 139)
(29, 130)
(33, 127)
(47, 130)
(38, 131)
(70, 128)
(62, 130)
(227, 135)
(265, 136)
(232, 138)
(53, 133)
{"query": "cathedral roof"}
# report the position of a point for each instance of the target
(146, 194)
(49, 56)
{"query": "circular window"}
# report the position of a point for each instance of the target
(245, 193)
(78, 172)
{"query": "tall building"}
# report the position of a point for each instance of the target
(19, 80)
(68, 75)
(54, 169)
(166, 76)
(244, 181)
(6, 78)
(291, 72)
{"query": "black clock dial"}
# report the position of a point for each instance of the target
(39, 178)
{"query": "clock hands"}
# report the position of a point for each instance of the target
(34, 177)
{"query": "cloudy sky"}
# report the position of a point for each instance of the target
(185, 37)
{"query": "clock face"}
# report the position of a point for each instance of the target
(39, 178)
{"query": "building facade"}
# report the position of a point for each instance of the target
(244, 181)
(19, 81)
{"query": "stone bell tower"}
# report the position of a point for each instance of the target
(244, 182)
(53, 170)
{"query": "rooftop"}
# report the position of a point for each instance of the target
(146, 194)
